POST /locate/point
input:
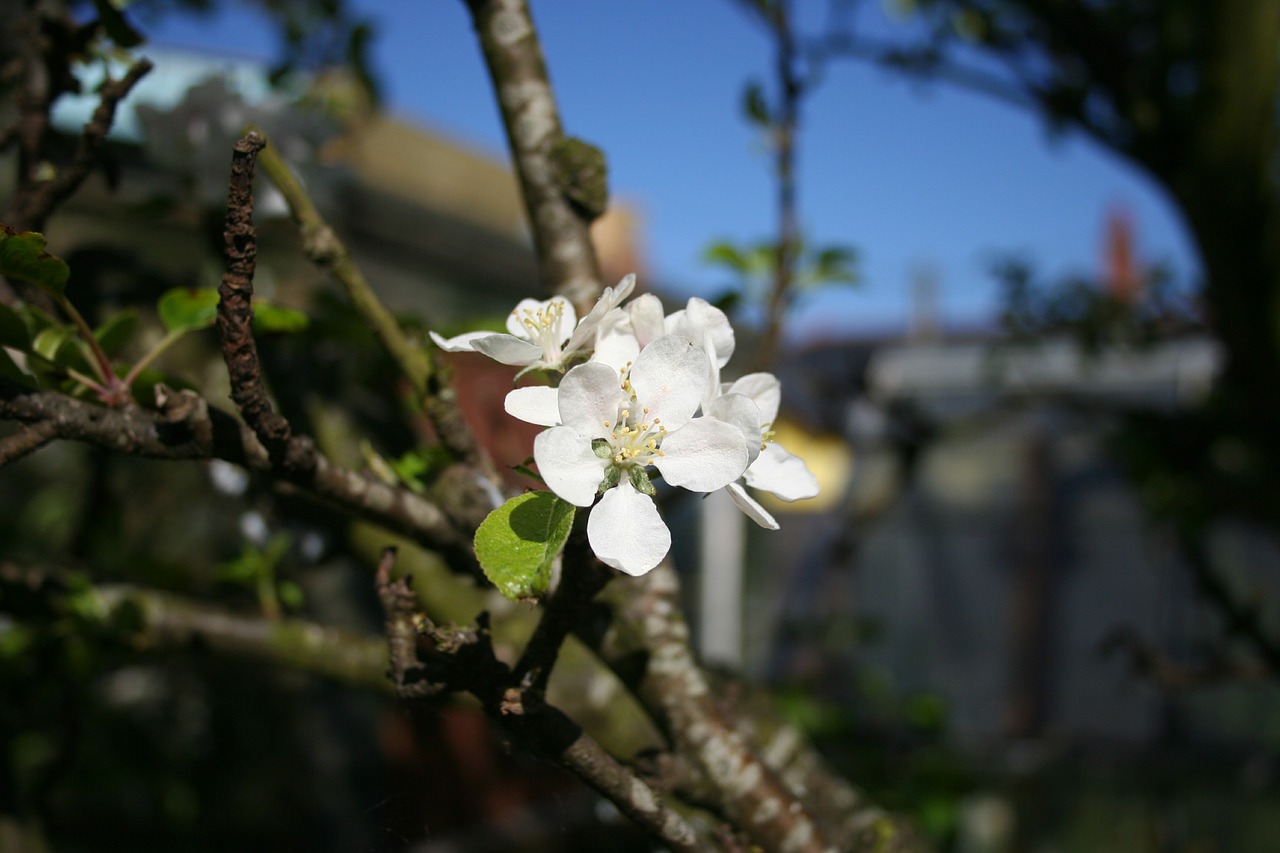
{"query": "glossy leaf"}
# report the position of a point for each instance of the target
(519, 540)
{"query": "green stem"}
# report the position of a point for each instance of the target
(101, 363)
(156, 351)
(91, 384)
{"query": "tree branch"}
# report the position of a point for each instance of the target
(464, 660)
(150, 619)
(33, 203)
(25, 441)
(566, 259)
(677, 692)
(430, 380)
(187, 427)
(292, 455)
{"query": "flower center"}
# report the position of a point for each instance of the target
(766, 435)
(635, 439)
(543, 326)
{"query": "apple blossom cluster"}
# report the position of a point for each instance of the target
(641, 398)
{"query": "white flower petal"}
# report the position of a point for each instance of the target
(669, 377)
(615, 343)
(569, 465)
(748, 505)
(626, 531)
(507, 349)
(783, 474)
(764, 389)
(743, 413)
(609, 299)
(647, 320)
(703, 455)
(460, 343)
(536, 404)
(705, 325)
(589, 396)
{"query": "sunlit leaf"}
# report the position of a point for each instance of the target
(519, 540)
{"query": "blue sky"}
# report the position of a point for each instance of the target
(912, 176)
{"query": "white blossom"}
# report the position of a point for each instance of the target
(544, 335)
(612, 425)
(772, 469)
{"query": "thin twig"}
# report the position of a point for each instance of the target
(1148, 661)
(235, 318)
(582, 576)
(187, 427)
(26, 440)
(150, 619)
(34, 203)
(430, 380)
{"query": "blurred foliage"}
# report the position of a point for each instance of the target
(1086, 310)
(753, 266)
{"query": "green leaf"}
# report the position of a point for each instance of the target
(754, 105)
(11, 371)
(61, 346)
(50, 342)
(273, 318)
(116, 332)
(185, 310)
(36, 320)
(518, 541)
(725, 254)
(835, 264)
(13, 331)
(291, 595)
(22, 256)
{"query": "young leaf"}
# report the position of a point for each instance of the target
(116, 332)
(725, 254)
(11, 371)
(518, 541)
(754, 105)
(185, 310)
(273, 318)
(22, 256)
(36, 320)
